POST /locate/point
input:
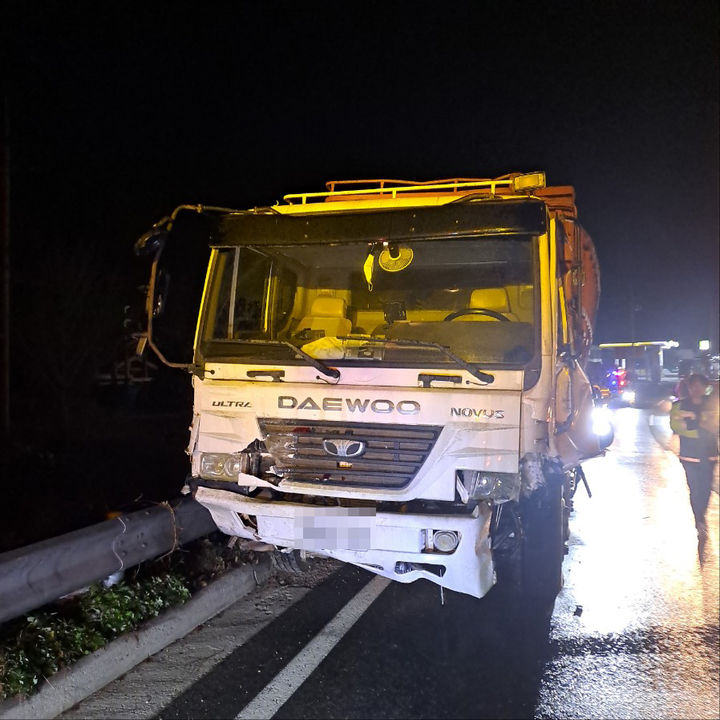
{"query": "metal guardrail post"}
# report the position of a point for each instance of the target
(40, 573)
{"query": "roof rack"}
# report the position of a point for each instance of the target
(664, 344)
(391, 188)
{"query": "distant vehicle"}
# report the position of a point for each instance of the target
(601, 393)
(619, 386)
(389, 373)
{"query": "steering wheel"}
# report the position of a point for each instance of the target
(476, 311)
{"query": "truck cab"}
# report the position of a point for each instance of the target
(390, 373)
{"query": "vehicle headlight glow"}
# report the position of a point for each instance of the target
(601, 425)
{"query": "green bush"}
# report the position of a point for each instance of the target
(38, 645)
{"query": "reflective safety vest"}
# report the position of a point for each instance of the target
(695, 424)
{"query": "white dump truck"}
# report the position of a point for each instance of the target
(389, 373)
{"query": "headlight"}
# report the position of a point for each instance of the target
(628, 396)
(602, 427)
(224, 466)
(482, 485)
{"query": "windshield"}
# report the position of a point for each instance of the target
(360, 302)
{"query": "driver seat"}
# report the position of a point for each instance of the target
(490, 299)
(327, 314)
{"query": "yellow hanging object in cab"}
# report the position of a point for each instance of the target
(368, 269)
(395, 259)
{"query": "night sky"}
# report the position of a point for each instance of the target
(121, 111)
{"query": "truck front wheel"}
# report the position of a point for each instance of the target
(529, 545)
(543, 546)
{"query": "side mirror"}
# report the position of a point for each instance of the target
(151, 243)
(161, 289)
(179, 261)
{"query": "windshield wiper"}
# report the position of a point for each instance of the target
(479, 374)
(322, 367)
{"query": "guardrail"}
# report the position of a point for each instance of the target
(40, 573)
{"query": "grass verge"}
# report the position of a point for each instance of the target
(37, 645)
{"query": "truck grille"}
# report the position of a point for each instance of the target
(392, 455)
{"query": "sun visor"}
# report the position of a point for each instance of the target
(455, 220)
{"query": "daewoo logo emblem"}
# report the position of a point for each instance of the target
(344, 448)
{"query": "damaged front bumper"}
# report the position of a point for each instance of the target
(399, 546)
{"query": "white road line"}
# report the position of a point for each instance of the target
(277, 692)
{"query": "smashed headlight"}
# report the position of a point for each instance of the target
(226, 466)
(482, 485)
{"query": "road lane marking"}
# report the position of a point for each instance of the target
(279, 690)
(231, 684)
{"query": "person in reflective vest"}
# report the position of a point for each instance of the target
(694, 419)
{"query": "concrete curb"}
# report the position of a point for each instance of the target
(73, 684)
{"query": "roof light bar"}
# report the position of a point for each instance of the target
(528, 181)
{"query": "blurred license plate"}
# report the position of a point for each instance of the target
(335, 528)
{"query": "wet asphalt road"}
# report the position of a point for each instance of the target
(634, 632)
(646, 644)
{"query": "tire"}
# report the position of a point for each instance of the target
(543, 546)
(507, 547)
(289, 562)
